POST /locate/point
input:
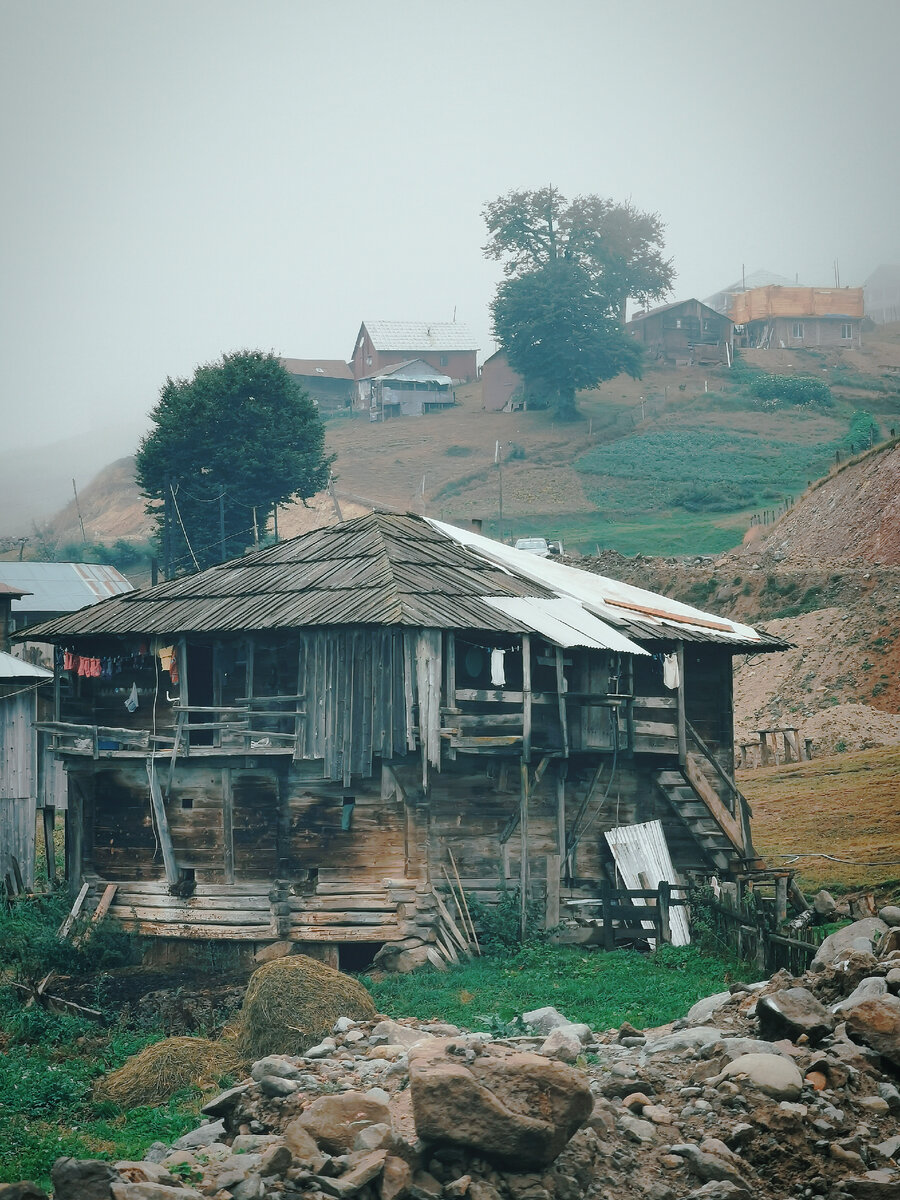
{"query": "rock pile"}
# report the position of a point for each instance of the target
(767, 1091)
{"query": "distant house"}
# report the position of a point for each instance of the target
(882, 295)
(499, 382)
(407, 390)
(772, 318)
(685, 332)
(328, 380)
(44, 590)
(21, 775)
(722, 300)
(444, 345)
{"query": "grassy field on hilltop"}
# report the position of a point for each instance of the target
(844, 806)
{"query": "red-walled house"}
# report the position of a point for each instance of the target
(448, 347)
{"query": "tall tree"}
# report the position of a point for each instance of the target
(571, 266)
(227, 446)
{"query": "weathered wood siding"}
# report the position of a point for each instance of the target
(18, 782)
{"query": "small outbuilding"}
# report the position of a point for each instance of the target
(444, 345)
(329, 381)
(407, 390)
(684, 333)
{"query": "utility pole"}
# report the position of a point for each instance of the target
(167, 529)
(497, 460)
(78, 510)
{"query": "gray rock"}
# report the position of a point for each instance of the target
(876, 1022)
(274, 1085)
(85, 1179)
(275, 1066)
(704, 1009)
(888, 1092)
(720, 1189)
(710, 1166)
(212, 1131)
(561, 1044)
(841, 941)
(637, 1129)
(251, 1188)
(892, 979)
(392, 1033)
(545, 1020)
(157, 1151)
(344, 1025)
(734, 1047)
(791, 1013)
(681, 1044)
(374, 1137)
(776, 1076)
(254, 1143)
(221, 1104)
(890, 1148)
(823, 903)
(144, 1172)
(867, 989)
(890, 914)
(324, 1049)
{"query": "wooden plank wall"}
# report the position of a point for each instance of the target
(18, 782)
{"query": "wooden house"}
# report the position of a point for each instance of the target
(448, 347)
(329, 381)
(20, 775)
(288, 745)
(408, 389)
(773, 318)
(683, 333)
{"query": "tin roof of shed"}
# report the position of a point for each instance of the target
(391, 569)
(61, 587)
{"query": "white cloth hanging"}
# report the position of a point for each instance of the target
(132, 702)
(498, 671)
(671, 677)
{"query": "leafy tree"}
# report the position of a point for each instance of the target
(228, 445)
(560, 335)
(570, 267)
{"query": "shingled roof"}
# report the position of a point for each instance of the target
(390, 569)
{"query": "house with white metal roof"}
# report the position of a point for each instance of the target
(447, 346)
(290, 745)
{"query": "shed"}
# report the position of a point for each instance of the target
(799, 317)
(329, 381)
(684, 332)
(19, 769)
(499, 382)
(314, 727)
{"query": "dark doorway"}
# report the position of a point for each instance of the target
(200, 691)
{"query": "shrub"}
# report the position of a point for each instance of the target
(458, 451)
(791, 389)
(500, 924)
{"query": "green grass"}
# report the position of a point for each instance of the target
(47, 1069)
(600, 989)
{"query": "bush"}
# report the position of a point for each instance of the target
(500, 924)
(802, 390)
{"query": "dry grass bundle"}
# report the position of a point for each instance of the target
(293, 1002)
(161, 1070)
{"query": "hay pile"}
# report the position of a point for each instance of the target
(293, 1002)
(290, 1004)
(161, 1070)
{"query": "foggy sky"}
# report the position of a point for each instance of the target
(186, 177)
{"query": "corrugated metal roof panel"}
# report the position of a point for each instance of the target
(14, 668)
(61, 587)
(564, 622)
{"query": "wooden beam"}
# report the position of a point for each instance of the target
(526, 697)
(561, 693)
(551, 912)
(227, 825)
(523, 848)
(66, 927)
(682, 715)
(161, 821)
(710, 797)
(48, 815)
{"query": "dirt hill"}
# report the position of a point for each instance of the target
(852, 514)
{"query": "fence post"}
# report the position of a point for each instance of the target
(609, 937)
(665, 895)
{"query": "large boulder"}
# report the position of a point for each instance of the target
(791, 1013)
(514, 1107)
(334, 1121)
(876, 1022)
(844, 940)
(84, 1179)
(770, 1073)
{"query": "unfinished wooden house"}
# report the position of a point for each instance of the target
(287, 746)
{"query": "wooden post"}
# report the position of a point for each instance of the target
(451, 684)
(682, 716)
(764, 755)
(807, 743)
(781, 891)
(561, 776)
(526, 697)
(227, 826)
(788, 748)
(523, 844)
(606, 896)
(551, 918)
(665, 896)
(49, 820)
(561, 693)
(162, 825)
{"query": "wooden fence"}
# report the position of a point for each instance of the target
(753, 929)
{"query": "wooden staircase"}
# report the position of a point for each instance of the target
(716, 831)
